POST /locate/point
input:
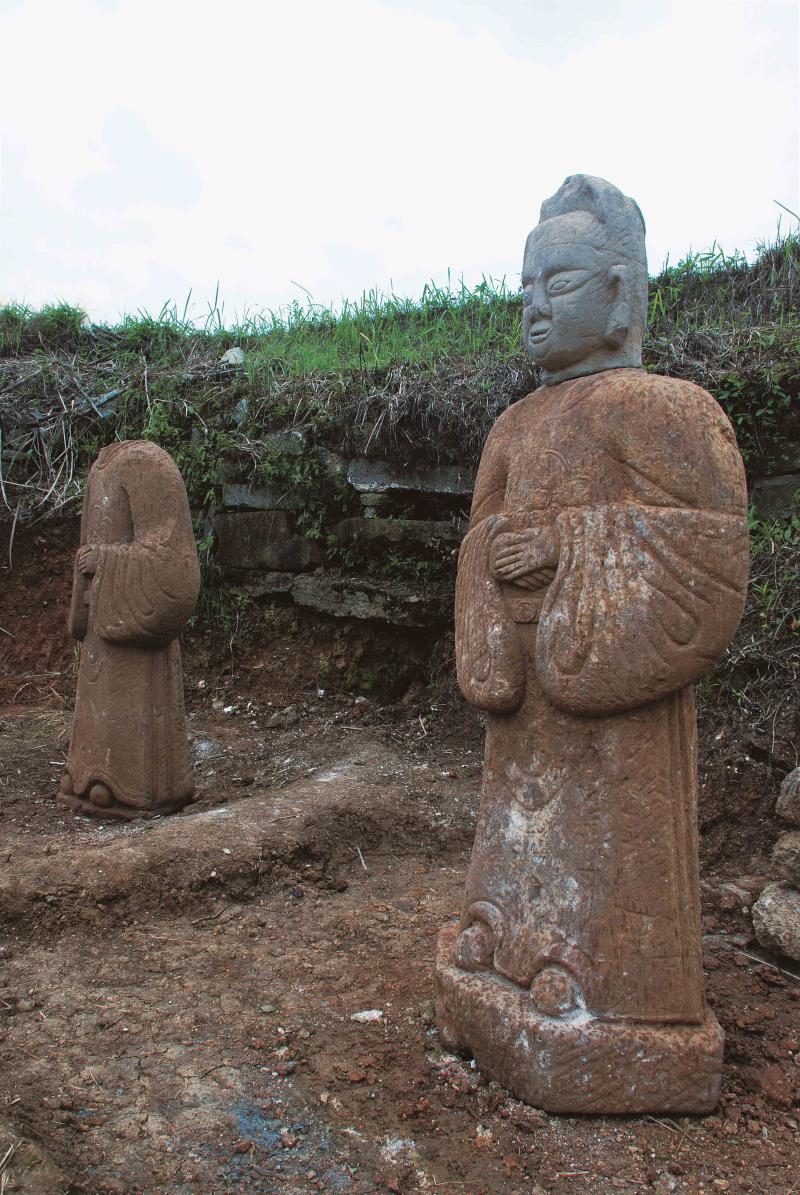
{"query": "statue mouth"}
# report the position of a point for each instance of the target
(538, 333)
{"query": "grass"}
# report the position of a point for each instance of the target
(405, 380)
(758, 676)
(705, 292)
(374, 333)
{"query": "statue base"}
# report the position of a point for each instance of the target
(575, 1063)
(128, 813)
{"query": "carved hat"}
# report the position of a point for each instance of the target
(622, 221)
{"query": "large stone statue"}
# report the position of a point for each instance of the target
(136, 582)
(604, 571)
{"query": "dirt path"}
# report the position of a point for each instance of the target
(176, 997)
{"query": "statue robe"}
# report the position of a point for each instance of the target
(585, 853)
(128, 729)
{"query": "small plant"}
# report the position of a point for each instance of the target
(198, 450)
(410, 381)
(217, 607)
(57, 326)
(317, 497)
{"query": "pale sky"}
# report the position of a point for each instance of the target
(153, 147)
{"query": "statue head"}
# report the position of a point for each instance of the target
(584, 281)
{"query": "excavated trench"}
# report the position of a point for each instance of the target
(177, 995)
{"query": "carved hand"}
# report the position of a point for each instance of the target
(88, 559)
(517, 554)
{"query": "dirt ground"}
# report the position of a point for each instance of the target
(177, 995)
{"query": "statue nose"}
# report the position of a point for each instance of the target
(540, 303)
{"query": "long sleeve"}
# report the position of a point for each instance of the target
(649, 590)
(644, 601)
(78, 617)
(145, 591)
(489, 658)
(488, 497)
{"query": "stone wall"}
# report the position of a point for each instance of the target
(778, 496)
(263, 552)
(387, 513)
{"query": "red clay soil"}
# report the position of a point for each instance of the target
(190, 1030)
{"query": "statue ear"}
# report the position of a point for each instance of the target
(619, 315)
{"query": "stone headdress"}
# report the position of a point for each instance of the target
(622, 230)
(621, 217)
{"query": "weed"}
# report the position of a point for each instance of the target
(408, 381)
(217, 605)
(55, 326)
(760, 670)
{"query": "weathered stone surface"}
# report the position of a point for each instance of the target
(335, 464)
(786, 857)
(240, 413)
(263, 539)
(291, 443)
(394, 531)
(776, 919)
(777, 497)
(788, 803)
(733, 894)
(266, 584)
(135, 585)
(357, 597)
(371, 503)
(283, 718)
(381, 477)
(605, 569)
(238, 496)
(572, 1062)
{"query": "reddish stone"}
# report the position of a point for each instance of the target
(135, 585)
(774, 1085)
(605, 569)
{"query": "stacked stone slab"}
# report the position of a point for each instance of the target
(264, 555)
(776, 913)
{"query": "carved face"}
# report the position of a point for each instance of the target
(570, 287)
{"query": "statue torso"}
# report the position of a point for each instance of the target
(108, 513)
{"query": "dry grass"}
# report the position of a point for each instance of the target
(387, 377)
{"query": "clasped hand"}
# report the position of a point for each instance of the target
(521, 556)
(88, 560)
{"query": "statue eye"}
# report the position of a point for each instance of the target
(567, 280)
(560, 283)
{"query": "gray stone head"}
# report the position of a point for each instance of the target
(584, 281)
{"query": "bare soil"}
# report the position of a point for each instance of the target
(176, 996)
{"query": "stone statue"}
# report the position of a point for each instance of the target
(604, 571)
(136, 581)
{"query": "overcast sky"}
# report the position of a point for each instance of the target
(153, 147)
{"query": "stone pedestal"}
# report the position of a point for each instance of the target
(574, 1063)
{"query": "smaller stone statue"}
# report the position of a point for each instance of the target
(136, 581)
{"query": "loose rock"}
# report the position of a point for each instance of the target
(788, 803)
(786, 857)
(776, 919)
